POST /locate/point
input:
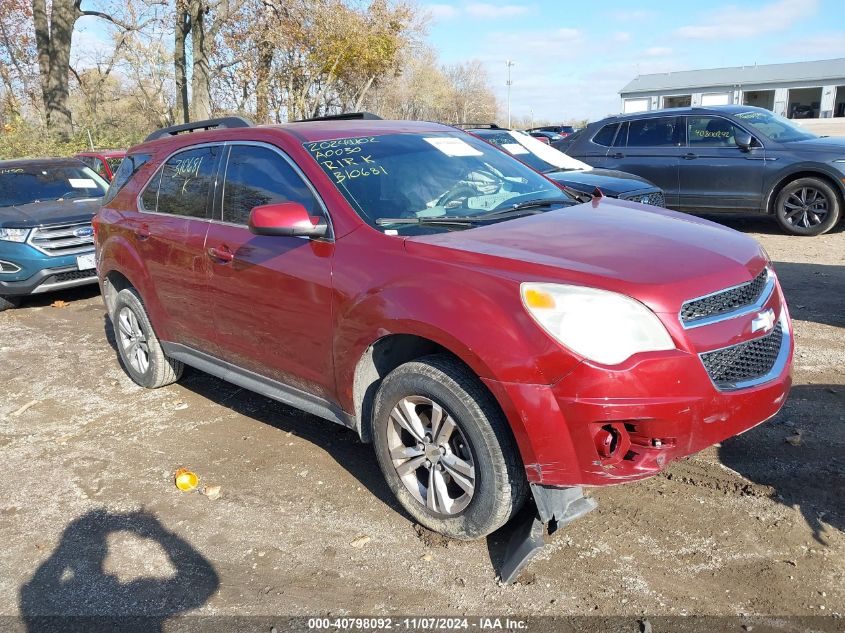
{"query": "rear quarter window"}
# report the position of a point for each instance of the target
(128, 167)
(605, 135)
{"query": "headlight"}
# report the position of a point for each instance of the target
(14, 235)
(603, 326)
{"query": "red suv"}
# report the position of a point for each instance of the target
(491, 336)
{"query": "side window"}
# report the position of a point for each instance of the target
(257, 176)
(621, 139)
(606, 134)
(100, 167)
(149, 199)
(88, 160)
(657, 132)
(710, 131)
(186, 182)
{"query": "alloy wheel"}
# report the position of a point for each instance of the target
(133, 341)
(805, 207)
(431, 455)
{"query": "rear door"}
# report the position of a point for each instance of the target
(715, 175)
(272, 294)
(650, 148)
(169, 234)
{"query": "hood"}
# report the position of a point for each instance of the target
(829, 144)
(611, 182)
(660, 257)
(52, 212)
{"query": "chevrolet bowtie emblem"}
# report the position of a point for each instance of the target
(764, 321)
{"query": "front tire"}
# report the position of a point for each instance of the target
(446, 450)
(807, 206)
(140, 351)
(7, 303)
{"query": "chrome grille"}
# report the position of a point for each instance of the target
(62, 239)
(731, 366)
(655, 198)
(725, 301)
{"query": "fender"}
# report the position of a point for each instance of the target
(118, 255)
(807, 168)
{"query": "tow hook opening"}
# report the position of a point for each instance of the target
(612, 442)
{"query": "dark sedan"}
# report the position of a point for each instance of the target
(569, 171)
(726, 159)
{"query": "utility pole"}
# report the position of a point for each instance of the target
(510, 83)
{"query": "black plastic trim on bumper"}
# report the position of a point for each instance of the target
(32, 285)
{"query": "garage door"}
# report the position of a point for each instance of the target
(717, 98)
(635, 105)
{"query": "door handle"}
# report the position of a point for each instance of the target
(689, 156)
(617, 155)
(221, 254)
(142, 232)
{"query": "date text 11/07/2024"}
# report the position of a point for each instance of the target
(418, 623)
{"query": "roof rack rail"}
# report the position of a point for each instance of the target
(208, 124)
(346, 116)
(480, 126)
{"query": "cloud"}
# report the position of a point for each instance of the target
(620, 37)
(441, 11)
(809, 47)
(493, 11)
(657, 51)
(734, 22)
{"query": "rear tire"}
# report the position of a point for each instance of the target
(7, 303)
(467, 480)
(807, 206)
(141, 354)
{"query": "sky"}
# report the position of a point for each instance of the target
(572, 58)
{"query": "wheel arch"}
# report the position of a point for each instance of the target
(785, 179)
(384, 355)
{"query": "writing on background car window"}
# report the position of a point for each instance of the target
(347, 158)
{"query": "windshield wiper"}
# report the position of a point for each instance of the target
(528, 205)
(447, 220)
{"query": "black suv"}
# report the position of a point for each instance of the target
(726, 159)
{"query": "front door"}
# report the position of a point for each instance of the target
(715, 174)
(650, 149)
(272, 295)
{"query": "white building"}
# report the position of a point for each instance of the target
(797, 90)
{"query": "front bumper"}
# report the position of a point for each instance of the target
(658, 407)
(39, 273)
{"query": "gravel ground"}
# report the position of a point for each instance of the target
(304, 525)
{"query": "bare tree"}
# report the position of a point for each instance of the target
(54, 26)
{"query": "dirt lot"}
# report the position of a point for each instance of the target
(92, 523)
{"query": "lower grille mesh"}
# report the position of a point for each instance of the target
(747, 361)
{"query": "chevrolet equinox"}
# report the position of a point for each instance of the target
(493, 338)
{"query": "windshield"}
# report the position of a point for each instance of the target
(529, 150)
(427, 176)
(40, 183)
(774, 126)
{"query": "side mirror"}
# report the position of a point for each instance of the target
(743, 141)
(286, 218)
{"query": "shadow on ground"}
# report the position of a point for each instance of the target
(73, 591)
(814, 292)
(758, 223)
(808, 475)
(80, 293)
